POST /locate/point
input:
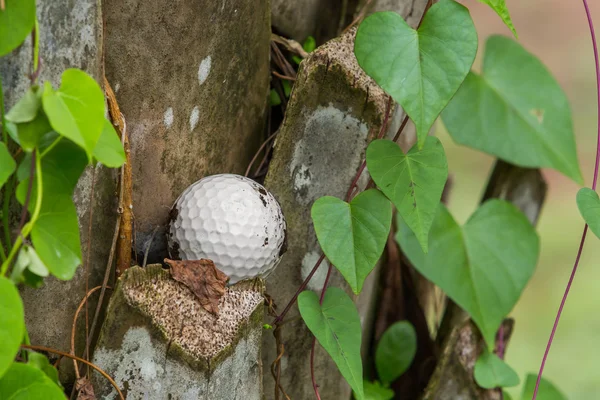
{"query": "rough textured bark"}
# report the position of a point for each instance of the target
(459, 339)
(192, 79)
(159, 343)
(334, 110)
(70, 37)
(299, 19)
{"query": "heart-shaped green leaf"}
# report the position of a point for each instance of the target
(76, 110)
(546, 391)
(491, 372)
(499, 6)
(375, 391)
(395, 351)
(12, 323)
(353, 235)
(26, 382)
(484, 265)
(42, 363)
(27, 108)
(55, 235)
(109, 149)
(16, 22)
(421, 69)
(336, 325)
(414, 182)
(515, 110)
(589, 207)
(7, 164)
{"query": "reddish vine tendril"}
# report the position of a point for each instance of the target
(594, 182)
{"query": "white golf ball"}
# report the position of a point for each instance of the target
(232, 221)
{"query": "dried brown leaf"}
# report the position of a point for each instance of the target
(202, 278)
(85, 390)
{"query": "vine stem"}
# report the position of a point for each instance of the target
(62, 353)
(585, 229)
(36, 213)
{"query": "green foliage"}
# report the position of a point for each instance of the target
(589, 207)
(12, 324)
(353, 235)
(515, 110)
(414, 182)
(7, 164)
(27, 382)
(309, 45)
(492, 372)
(484, 265)
(395, 351)
(546, 391)
(76, 110)
(109, 150)
(421, 69)
(499, 6)
(41, 362)
(16, 21)
(336, 325)
(375, 391)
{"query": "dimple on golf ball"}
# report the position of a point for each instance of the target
(232, 221)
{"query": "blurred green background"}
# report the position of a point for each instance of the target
(556, 32)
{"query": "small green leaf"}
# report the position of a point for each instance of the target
(12, 324)
(16, 22)
(546, 391)
(421, 69)
(353, 235)
(336, 325)
(7, 164)
(483, 266)
(589, 208)
(42, 363)
(375, 391)
(27, 108)
(28, 261)
(499, 6)
(310, 44)
(491, 372)
(76, 110)
(274, 99)
(26, 382)
(30, 134)
(109, 149)
(55, 235)
(395, 351)
(515, 110)
(414, 182)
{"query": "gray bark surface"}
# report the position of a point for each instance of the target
(192, 79)
(158, 343)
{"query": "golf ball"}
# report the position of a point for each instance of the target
(232, 221)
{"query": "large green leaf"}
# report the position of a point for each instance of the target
(414, 182)
(55, 235)
(589, 207)
(336, 325)
(28, 120)
(42, 363)
(499, 6)
(421, 69)
(492, 372)
(395, 351)
(12, 323)
(109, 149)
(16, 22)
(484, 265)
(353, 235)
(515, 110)
(375, 391)
(7, 164)
(26, 382)
(76, 110)
(546, 391)
(27, 107)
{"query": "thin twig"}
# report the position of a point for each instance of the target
(359, 17)
(280, 76)
(290, 45)
(74, 326)
(260, 149)
(94, 366)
